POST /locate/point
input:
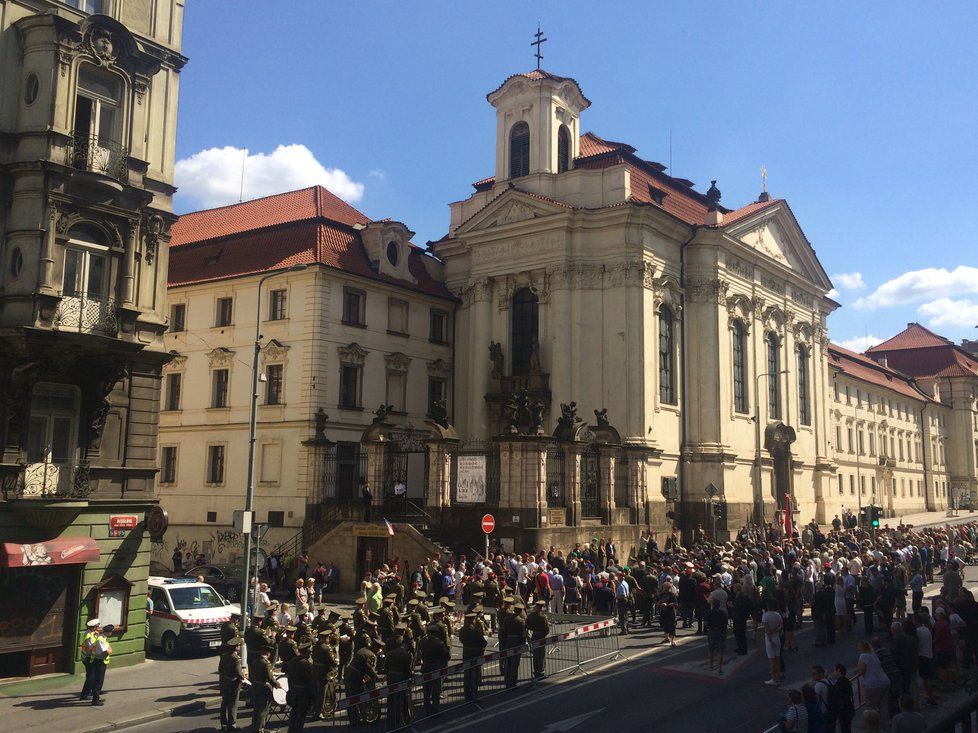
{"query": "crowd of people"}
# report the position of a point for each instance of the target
(761, 586)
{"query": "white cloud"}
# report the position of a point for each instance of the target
(212, 177)
(860, 343)
(849, 280)
(925, 284)
(945, 312)
(833, 293)
(378, 173)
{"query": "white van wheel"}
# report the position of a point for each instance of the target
(168, 644)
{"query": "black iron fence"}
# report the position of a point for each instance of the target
(556, 492)
(591, 488)
(340, 470)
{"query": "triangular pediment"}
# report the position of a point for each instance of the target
(775, 234)
(510, 207)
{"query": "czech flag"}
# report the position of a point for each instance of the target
(390, 527)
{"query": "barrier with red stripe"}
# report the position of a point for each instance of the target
(470, 663)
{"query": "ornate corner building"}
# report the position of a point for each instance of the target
(88, 93)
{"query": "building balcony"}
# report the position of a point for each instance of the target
(86, 315)
(48, 480)
(96, 154)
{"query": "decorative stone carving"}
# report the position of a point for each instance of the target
(590, 276)
(480, 290)
(666, 290)
(535, 367)
(155, 230)
(439, 413)
(707, 290)
(803, 333)
(522, 415)
(774, 319)
(496, 359)
(274, 351)
(320, 419)
(220, 358)
(353, 354)
(771, 284)
(101, 43)
(739, 267)
(440, 369)
(512, 212)
(740, 307)
(381, 413)
(505, 290)
(177, 363)
(397, 363)
(802, 298)
(601, 416)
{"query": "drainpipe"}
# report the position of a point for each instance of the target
(682, 382)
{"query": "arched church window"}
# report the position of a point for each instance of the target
(774, 379)
(739, 337)
(525, 329)
(519, 150)
(563, 149)
(667, 360)
(804, 404)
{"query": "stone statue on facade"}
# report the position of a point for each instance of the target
(496, 358)
(381, 413)
(439, 413)
(601, 416)
(320, 417)
(522, 415)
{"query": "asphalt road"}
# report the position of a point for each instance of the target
(655, 689)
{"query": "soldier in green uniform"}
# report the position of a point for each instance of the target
(229, 630)
(423, 609)
(230, 678)
(492, 598)
(320, 622)
(345, 648)
(502, 615)
(387, 618)
(434, 655)
(361, 672)
(437, 624)
(287, 648)
(449, 617)
(360, 614)
(254, 638)
(514, 635)
(302, 687)
(324, 668)
(475, 597)
(400, 668)
(262, 684)
(474, 642)
(539, 628)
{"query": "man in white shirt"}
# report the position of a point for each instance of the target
(772, 622)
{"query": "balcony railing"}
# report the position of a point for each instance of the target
(50, 480)
(98, 155)
(87, 315)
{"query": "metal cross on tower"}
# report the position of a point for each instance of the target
(540, 40)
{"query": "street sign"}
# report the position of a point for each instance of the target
(488, 523)
(259, 529)
(712, 490)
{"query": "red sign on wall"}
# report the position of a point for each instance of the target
(123, 521)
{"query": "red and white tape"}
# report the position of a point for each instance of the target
(468, 664)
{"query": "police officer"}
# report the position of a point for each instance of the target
(87, 646)
(262, 684)
(400, 668)
(539, 628)
(514, 635)
(302, 687)
(474, 642)
(101, 651)
(324, 668)
(230, 677)
(361, 672)
(434, 655)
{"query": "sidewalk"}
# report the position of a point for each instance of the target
(925, 519)
(133, 695)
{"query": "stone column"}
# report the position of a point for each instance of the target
(376, 459)
(440, 456)
(607, 467)
(639, 494)
(572, 481)
(523, 478)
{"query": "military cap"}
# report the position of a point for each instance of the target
(291, 629)
(305, 646)
(360, 601)
(335, 614)
(420, 594)
(447, 602)
(540, 603)
(519, 604)
(320, 608)
(326, 632)
(267, 648)
(437, 610)
(401, 626)
(508, 599)
(478, 594)
(471, 614)
(414, 602)
(390, 597)
(235, 641)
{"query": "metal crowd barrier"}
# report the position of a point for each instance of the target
(397, 706)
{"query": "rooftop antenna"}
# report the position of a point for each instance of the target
(763, 179)
(244, 157)
(540, 41)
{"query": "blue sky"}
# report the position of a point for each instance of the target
(864, 114)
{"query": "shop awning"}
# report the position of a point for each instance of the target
(63, 551)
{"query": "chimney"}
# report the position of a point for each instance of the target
(881, 360)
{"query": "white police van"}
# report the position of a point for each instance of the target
(186, 615)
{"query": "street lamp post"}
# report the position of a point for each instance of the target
(758, 489)
(250, 491)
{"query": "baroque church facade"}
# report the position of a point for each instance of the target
(597, 278)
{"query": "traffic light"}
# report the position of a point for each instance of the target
(720, 509)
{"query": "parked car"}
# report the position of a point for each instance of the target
(225, 579)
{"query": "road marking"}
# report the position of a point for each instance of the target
(570, 723)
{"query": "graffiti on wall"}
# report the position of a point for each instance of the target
(216, 545)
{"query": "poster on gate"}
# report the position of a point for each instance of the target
(471, 488)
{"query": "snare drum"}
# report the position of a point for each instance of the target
(279, 693)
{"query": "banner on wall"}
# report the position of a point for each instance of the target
(471, 486)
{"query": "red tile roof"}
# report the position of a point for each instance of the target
(866, 370)
(306, 203)
(591, 144)
(309, 226)
(537, 75)
(921, 352)
(733, 217)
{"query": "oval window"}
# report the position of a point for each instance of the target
(31, 88)
(393, 253)
(16, 262)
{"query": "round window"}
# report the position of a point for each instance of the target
(31, 89)
(393, 253)
(16, 262)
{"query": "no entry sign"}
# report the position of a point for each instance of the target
(488, 523)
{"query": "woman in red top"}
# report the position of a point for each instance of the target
(944, 645)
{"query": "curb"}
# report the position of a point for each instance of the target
(191, 707)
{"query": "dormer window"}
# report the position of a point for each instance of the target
(393, 253)
(563, 149)
(519, 150)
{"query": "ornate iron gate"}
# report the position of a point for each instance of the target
(591, 482)
(556, 495)
(405, 460)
